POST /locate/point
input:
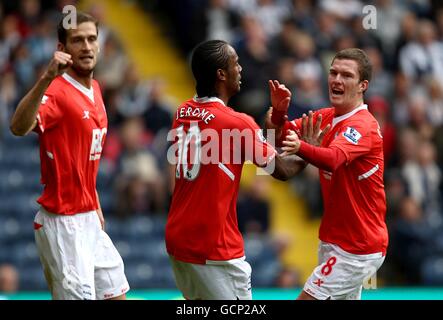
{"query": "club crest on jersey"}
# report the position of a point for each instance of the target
(352, 135)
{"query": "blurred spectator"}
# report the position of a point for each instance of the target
(133, 98)
(270, 14)
(9, 279)
(253, 207)
(8, 98)
(112, 65)
(256, 61)
(400, 106)
(139, 186)
(435, 106)
(424, 56)
(307, 185)
(412, 240)
(407, 35)
(418, 118)
(42, 42)
(29, 16)
(389, 16)
(158, 116)
(343, 9)
(288, 278)
(9, 39)
(216, 20)
(423, 180)
(378, 106)
(302, 15)
(381, 82)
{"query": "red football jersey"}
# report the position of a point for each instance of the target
(353, 196)
(72, 125)
(202, 220)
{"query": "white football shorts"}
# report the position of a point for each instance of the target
(79, 260)
(340, 275)
(215, 280)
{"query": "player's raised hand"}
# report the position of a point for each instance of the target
(291, 145)
(280, 98)
(311, 133)
(59, 63)
(280, 95)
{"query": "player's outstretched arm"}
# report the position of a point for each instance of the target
(287, 166)
(24, 118)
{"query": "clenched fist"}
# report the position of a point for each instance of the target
(59, 63)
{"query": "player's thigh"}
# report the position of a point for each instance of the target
(109, 275)
(65, 246)
(340, 277)
(183, 274)
(214, 282)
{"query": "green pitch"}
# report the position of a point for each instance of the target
(400, 293)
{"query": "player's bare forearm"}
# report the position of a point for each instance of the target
(288, 166)
(24, 118)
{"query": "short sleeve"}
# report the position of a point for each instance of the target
(354, 140)
(48, 114)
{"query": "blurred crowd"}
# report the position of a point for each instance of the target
(294, 41)
(289, 40)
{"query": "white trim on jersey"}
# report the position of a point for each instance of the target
(225, 262)
(369, 173)
(87, 92)
(207, 100)
(226, 170)
(348, 115)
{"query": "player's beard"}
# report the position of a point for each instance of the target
(82, 72)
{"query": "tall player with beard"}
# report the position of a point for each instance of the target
(65, 108)
(202, 237)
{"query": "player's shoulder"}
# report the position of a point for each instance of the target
(240, 119)
(56, 85)
(364, 118)
(327, 111)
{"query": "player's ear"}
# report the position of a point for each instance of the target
(221, 75)
(364, 85)
(60, 47)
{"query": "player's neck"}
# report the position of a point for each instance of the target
(341, 110)
(86, 81)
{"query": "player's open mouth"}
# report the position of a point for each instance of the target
(337, 92)
(84, 58)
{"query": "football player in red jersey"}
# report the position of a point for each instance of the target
(212, 142)
(353, 233)
(65, 108)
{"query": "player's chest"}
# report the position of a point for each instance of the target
(86, 115)
(332, 135)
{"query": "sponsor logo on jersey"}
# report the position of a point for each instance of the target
(352, 135)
